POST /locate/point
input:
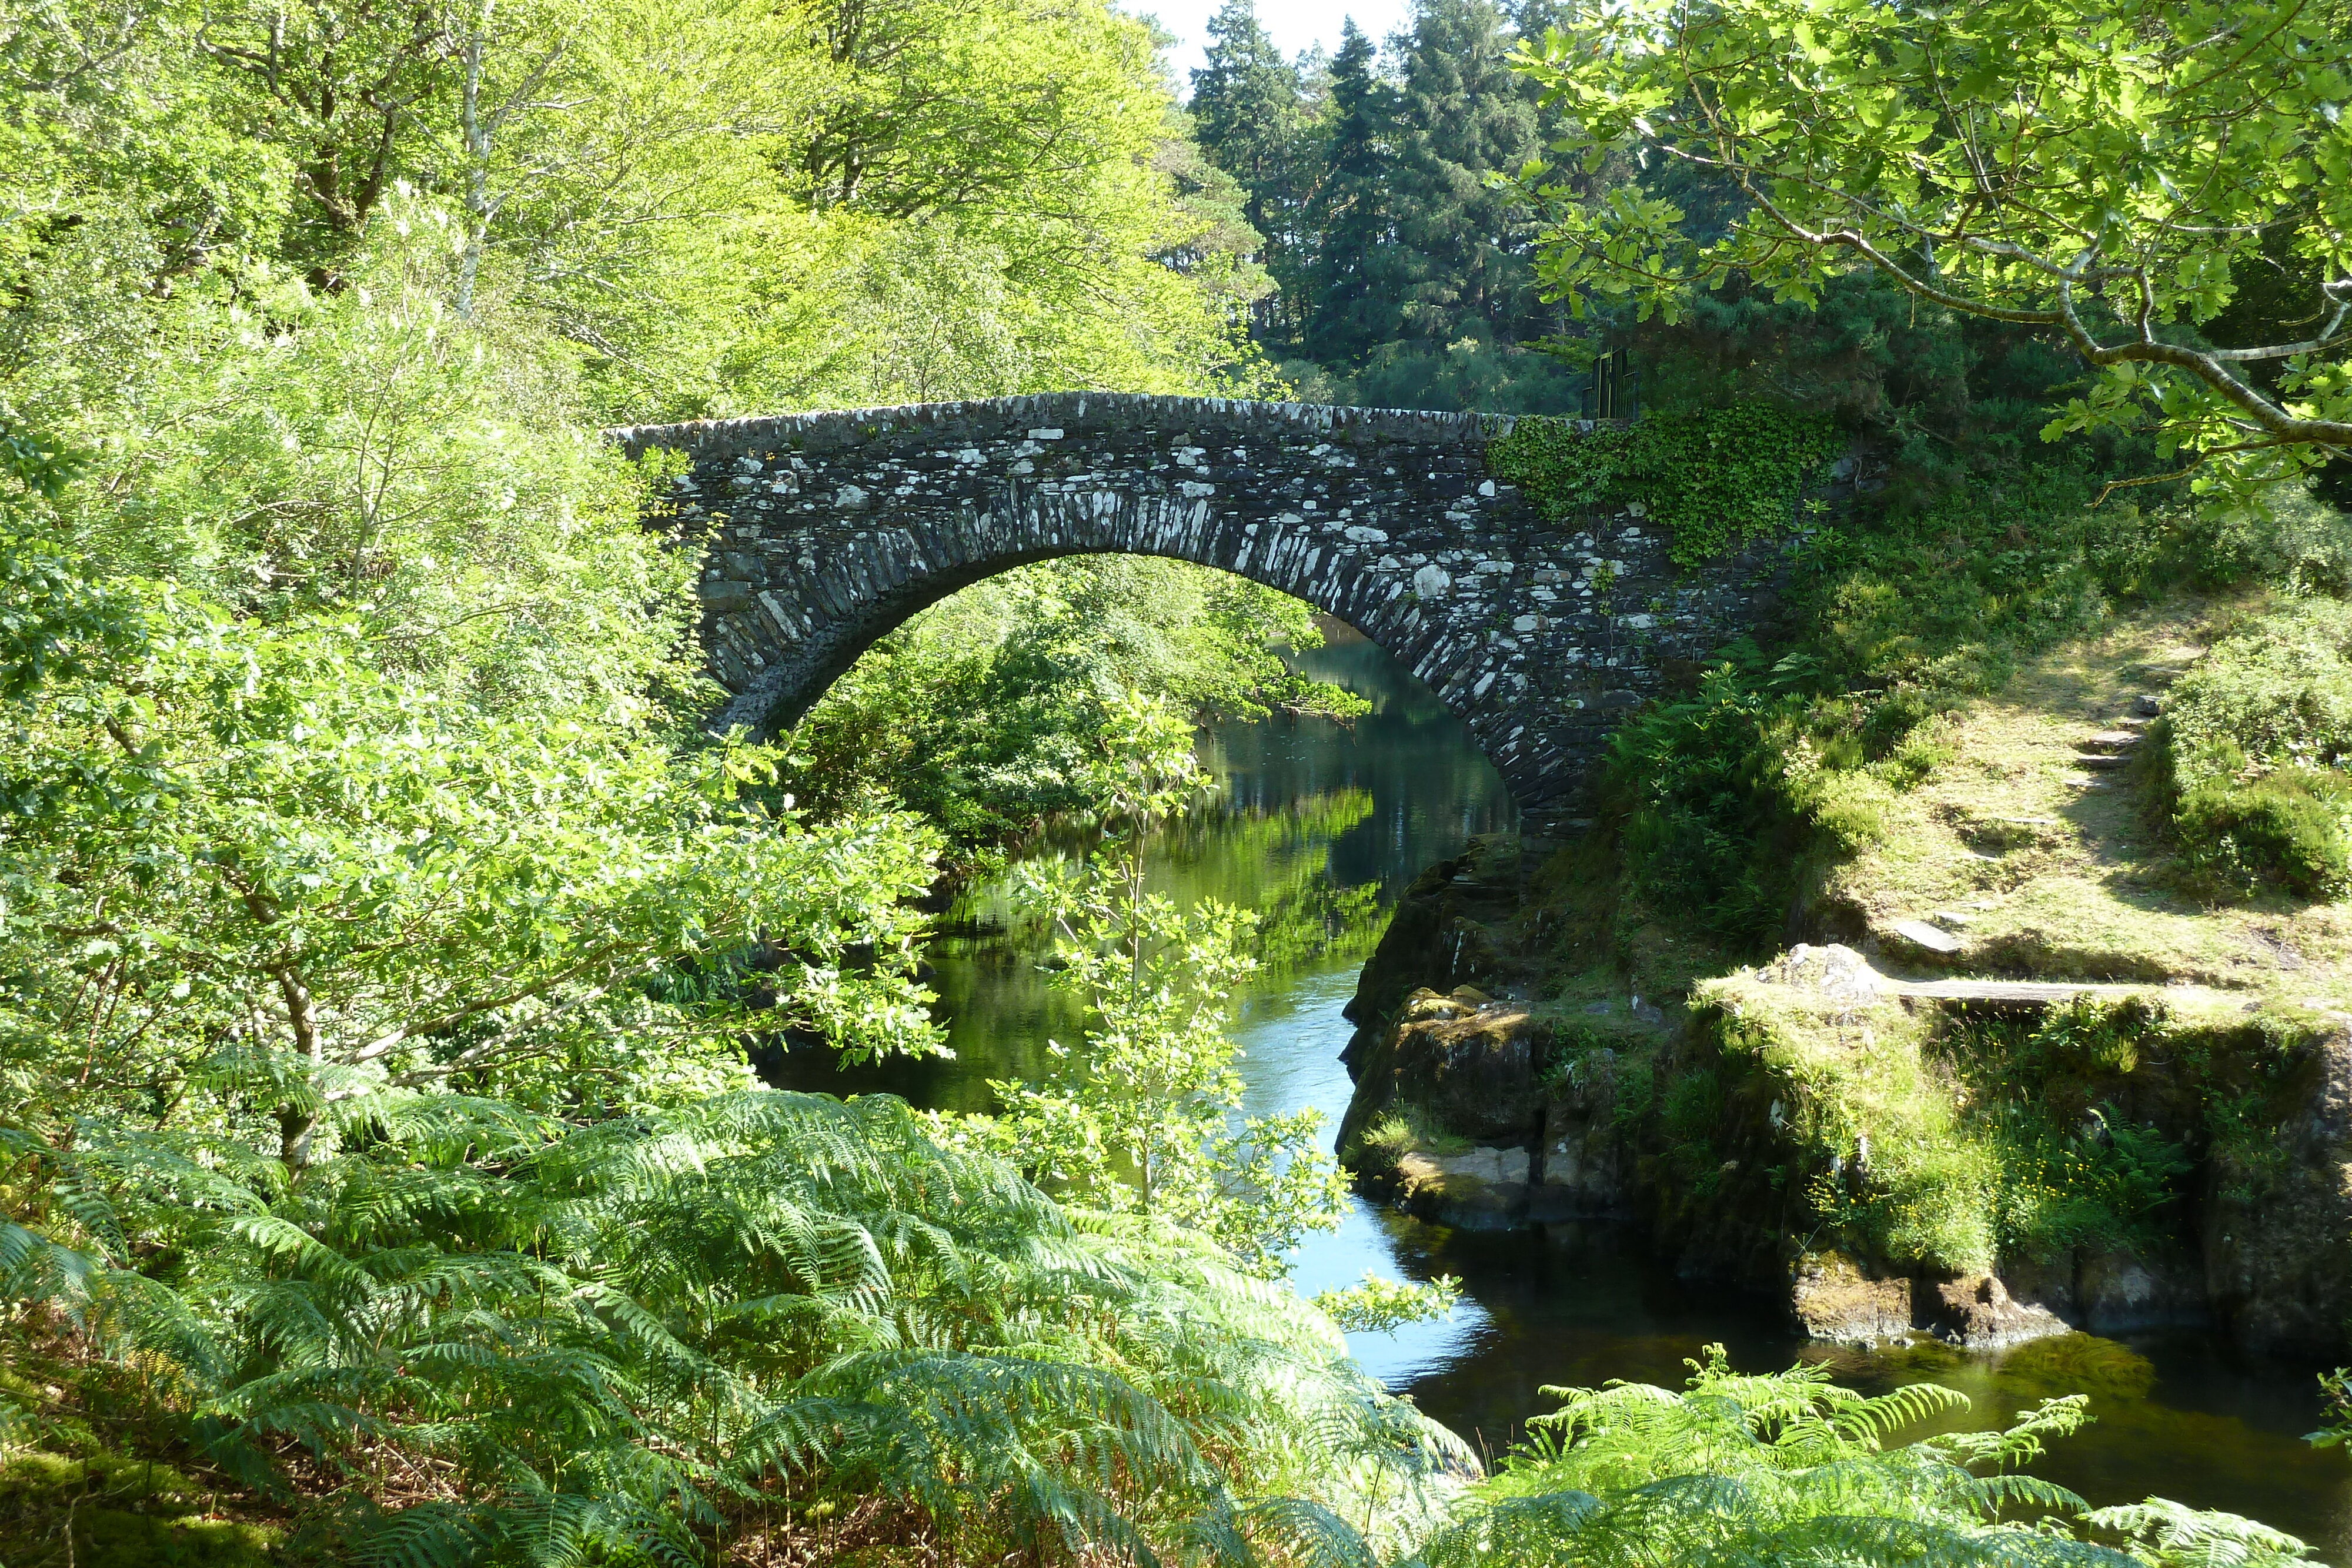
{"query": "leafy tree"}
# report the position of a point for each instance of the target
(988, 712)
(348, 90)
(2115, 176)
(249, 875)
(1146, 1114)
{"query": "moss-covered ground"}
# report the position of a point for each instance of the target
(2043, 869)
(88, 1479)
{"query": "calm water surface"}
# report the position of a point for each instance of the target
(1320, 827)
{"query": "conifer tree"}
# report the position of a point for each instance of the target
(1249, 110)
(1465, 116)
(1353, 310)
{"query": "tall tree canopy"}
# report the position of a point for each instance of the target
(1249, 106)
(1353, 211)
(2119, 176)
(1469, 118)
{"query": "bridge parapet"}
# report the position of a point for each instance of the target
(826, 530)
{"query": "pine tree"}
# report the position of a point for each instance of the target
(1465, 116)
(1353, 310)
(1249, 107)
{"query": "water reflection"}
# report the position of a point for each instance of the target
(1320, 827)
(1315, 825)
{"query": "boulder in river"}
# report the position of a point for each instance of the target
(1835, 1300)
(1465, 1064)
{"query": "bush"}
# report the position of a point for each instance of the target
(2256, 738)
(1723, 801)
(2287, 827)
(617, 1343)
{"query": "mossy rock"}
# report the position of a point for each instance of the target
(110, 1538)
(124, 1513)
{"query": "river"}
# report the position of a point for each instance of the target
(1319, 826)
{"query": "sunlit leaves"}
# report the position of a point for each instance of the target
(2113, 176)
(312, 878)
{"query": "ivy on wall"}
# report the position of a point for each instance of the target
(1715, 476)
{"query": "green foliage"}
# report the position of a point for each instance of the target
(633, 1339)
(1376, 1306)
(988, 712)
(1351, 211)
(1373, 186)
(1790, 1468)
(248, 864)
(1719, 800)
(1381, 1148)
(2000, 1139)
(1460, 266)
(931, 198)
(2075, 1172)
(1722, 801)
(1249, 109)
(2335, 1398)
(2105, 1186)
(367, 453)
(2256, 738)
(2285, 828)
(1836, 138)
(1467, 374)
(1146, 1115)
(1717, 477)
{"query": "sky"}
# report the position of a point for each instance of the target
(1295, 25)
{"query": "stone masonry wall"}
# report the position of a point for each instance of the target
(824, 531)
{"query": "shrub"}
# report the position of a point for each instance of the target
(2255, 739)
(2287, 827)
(608, 1342)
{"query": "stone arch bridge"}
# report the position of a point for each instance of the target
(826, 530)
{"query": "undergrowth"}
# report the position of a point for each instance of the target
(622, 1342)
(1726, 804)
(2256, 738)
(1790, 1468)
(1960, 1144)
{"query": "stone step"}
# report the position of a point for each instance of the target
(2109, 740)
(1919, 933)
(1840, 972)
(2102, 761)
(2031, 997)
(2041, 993)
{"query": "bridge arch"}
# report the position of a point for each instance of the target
(826, 530)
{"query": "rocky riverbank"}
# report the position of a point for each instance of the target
(1813, 1128)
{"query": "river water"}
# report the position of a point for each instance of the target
(1319, 826)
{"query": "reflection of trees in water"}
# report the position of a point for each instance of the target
(1275, 861)
(1278, 863)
